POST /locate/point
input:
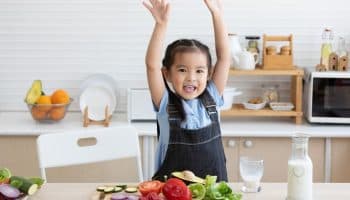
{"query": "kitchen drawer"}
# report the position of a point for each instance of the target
(140, 106)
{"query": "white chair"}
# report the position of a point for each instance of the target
(62, 149)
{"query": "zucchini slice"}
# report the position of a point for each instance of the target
(118, 189)
(123, 186)
(101, 188)
(131, 189)
(108, 190)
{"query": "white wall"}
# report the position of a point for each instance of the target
(61, 42)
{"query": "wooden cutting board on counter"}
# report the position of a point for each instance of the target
(101, 196)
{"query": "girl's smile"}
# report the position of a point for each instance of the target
(188, 74)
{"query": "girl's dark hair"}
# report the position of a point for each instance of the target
(183, 46)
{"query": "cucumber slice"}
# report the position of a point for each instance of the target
(123, 186)
(118, 189)
(101, 188)
(131, 189)
(108, 190)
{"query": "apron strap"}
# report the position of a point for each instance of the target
(209, 105)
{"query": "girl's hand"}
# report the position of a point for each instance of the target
(159, 9)
(214, 6)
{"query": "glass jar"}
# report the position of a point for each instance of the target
(300, 170)
(270, 93)
(252, 43)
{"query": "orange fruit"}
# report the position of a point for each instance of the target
(60, 97)
(37, 113)
(57, 113)
(44, 103)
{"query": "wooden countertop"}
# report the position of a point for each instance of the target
(270, 191)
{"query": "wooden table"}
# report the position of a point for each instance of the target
(270, 191)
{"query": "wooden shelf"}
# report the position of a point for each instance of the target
(291, 72)
(239, 110)
(295, 93)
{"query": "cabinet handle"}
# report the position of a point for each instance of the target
(248, 144)
(231, 143)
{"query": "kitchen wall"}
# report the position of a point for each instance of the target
(62, 42)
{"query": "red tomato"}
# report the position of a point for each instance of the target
(176, 189)
(151, 196)
(150, 186)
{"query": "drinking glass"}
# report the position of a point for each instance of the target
(251, 170)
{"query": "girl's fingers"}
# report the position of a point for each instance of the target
(149, 7)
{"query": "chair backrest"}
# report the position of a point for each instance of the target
(63, 149)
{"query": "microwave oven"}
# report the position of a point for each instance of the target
(327, 96)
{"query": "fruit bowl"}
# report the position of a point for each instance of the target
(48, 112)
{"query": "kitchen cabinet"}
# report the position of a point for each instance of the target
(296, 95)
(18, 153)
(275, 152)
(340, 159)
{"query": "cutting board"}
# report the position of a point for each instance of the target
(101, 196)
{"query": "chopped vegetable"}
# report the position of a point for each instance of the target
(150, 186)
(24, 185)
(37, 180)
(108, 190)
(133, 197)
(219, 191)
(5, 175)
(101, 188)
(130, 189)
(118, 189)
(9, 191)
(151, 196)
(123, 186)
(119, 196)
(176, 189)
(198, 191)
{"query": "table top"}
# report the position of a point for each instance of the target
(270, 191)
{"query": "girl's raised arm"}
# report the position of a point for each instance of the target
(222, 65)
(160, 12)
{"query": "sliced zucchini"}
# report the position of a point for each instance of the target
(123, 186)
(118, 189)
(101, 188)
(131, 189)
(108, 190)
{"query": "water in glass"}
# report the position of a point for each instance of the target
(251, 170)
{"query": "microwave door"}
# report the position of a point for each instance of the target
(331, 97)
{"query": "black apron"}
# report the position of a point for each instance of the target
(199, 150)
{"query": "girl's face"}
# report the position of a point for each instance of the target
(188, 74)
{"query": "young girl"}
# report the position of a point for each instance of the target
(185, 91)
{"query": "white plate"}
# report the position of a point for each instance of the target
(99, 79)
(285, 106)
(96, 98)
(254, 106)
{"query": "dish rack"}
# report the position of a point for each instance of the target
(87, 121)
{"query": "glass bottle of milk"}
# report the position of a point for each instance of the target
(299, 170)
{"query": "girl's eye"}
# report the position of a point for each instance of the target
(181, 70)
(200, 71)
